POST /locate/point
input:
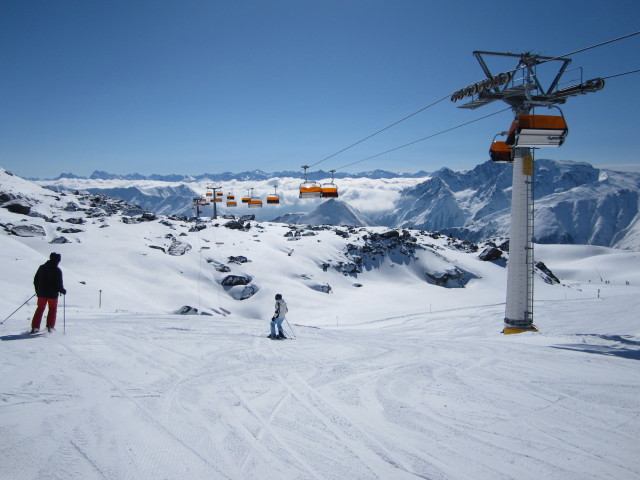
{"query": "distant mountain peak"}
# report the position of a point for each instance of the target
(331, 212)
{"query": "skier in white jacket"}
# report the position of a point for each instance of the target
(278, 317)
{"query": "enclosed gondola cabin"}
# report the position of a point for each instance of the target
(232, 203)
(537, 131)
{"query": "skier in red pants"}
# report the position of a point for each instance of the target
(48, 283)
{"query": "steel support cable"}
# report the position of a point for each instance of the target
(592, 46)
(381, 130)
(424, 138)
(621, 74)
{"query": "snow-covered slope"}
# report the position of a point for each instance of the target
(398, 369)
(330, 212)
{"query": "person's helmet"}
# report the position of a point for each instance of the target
(278, 296)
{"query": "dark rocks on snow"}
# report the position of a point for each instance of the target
(490, 254)
(247, 218)
(178, 248)
(248, 292)
(546, 274)
(69, 230)
(453, 278)
(60, 240)
(28, 231)
(197, 227)
(148, 217)
(158, 248)
(19, 206)
(187, 310)
(321, 287)
(76, 220)
(236, 225)
(239, 259)
(233, 280)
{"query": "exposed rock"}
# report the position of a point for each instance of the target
(248, 291)
(234, 225)
(178, 248)
(239, 259)
(76, 220)
(490, 254)
(158, 248)
(546, 274)
(233, 280)
(28, 231)
(197, 227)
(69, 230)
(148, 217)
(60, 240)
(452, 278)
(187, 310)
(242, 292)
(19, 205)
(321, 287)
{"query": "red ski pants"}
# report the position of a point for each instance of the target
(51, 313)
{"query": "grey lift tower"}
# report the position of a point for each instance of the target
(522, 89)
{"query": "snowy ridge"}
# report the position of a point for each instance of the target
(398, 371)
(575, 202)
(330, 212)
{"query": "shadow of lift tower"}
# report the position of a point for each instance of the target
(522, 89)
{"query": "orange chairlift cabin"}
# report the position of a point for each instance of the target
(254, 202)
(218, 197)
(500, 152)
(231, 200)
(537, 131)
(309, 189)
(246, 198)
(329, 190)
(273, 199)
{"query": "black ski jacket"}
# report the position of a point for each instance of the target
(48, 280)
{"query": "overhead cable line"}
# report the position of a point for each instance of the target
(380, 131)
(592, 46)
(621, 74)
(424, 138)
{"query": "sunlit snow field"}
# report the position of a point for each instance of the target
(395, 379)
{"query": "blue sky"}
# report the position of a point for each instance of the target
(210, 86)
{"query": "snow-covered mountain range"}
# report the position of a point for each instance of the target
(574, 202)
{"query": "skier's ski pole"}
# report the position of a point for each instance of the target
(64, 314)
(18, 309)
(292, 332)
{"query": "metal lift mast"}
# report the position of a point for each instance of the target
(523, 94)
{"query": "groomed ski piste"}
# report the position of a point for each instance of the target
(389, 377)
